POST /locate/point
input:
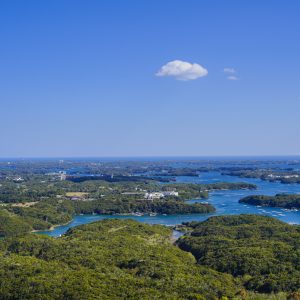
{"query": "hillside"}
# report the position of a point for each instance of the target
(110, 259)
(262, 252)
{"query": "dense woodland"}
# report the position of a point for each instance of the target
(110, 259)
(47, 213)
(279, 200)
(229, 257)
(263, 253)
(222, 258)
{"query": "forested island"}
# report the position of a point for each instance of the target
(31, 201)
(279, 200)
(97, 197)
(286, 177)
(47, 213)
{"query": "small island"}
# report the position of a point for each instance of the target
(286, 177)
(37, 196)
(279, 200)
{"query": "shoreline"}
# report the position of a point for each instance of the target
(128, 215)
(125, 215)
(52, 227)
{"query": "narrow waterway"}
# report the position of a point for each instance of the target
(226, 203)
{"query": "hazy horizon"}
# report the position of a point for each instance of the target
(202, 157)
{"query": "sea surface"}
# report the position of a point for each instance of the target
(226, 203)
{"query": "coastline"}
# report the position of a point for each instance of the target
(52, 227)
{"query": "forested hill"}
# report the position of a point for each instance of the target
(279, 200)
(110, 259)
(125, 259)
(263, 252)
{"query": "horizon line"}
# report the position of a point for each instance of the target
(153, 156)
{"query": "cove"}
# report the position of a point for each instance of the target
(225, 201)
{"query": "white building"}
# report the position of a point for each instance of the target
(170, 193)
(154, 195)
(62, 175)
(18, 179)
(159, 195)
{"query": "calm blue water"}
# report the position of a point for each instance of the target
(226, 203)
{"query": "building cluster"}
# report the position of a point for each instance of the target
(283, 176)
(62, 175)
(159, 195)
(18, 179)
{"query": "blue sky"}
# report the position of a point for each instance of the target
(78, 78)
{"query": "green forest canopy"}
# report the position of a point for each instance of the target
(262, 252)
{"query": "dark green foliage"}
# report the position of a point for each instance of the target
(263, 252)
(110, 259)
(16, 220)
(47, 213)
(230, 186)
(279, 200)
(110, 178)
(144, 206)
(11, 225)
(44, 213)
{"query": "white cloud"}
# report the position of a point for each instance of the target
(232, 77)
(182, 70)
(229, 70)
(230, 73)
